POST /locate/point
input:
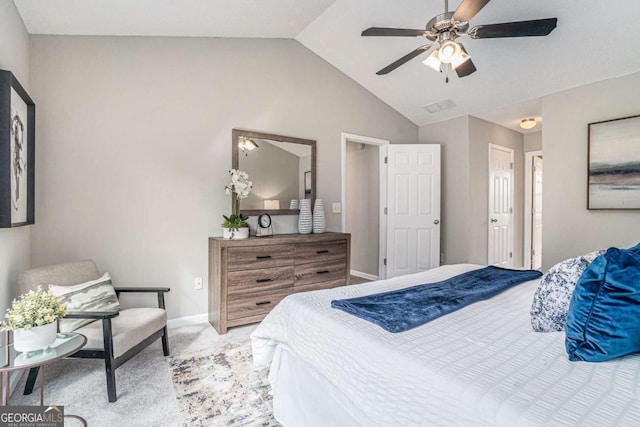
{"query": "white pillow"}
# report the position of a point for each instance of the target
(551, 300)
(96, 295)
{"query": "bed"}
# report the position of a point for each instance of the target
(482, 366)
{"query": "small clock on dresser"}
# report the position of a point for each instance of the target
(264, 226)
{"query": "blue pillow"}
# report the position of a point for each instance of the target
(603, 321)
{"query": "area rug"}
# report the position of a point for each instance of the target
(219, 387)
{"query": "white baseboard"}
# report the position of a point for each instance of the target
(364, 275)
(189, 320)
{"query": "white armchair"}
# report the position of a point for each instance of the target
(115, 336)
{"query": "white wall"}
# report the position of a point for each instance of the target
(569, 228)
(363, 206)
(15, 245)
(134, 144)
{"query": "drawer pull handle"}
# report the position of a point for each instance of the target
(263, 303)
(263, 280)
(263, 257)
(322, 272)
(324, 251)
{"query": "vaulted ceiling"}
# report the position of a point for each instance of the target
(594, 40)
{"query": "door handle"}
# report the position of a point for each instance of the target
(436, 221)
(494, 220)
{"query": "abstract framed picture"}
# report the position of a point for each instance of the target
(17, 153)
(614, 164)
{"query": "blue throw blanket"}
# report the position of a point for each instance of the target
(404, 309)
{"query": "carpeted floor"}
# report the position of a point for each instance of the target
(146, 395)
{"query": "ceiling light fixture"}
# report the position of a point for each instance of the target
(432, 61)
(449, 51)
(529, 123)
(247, 144)
(461, 59)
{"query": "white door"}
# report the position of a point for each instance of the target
(500, 206)
(413, 208)
(536, 215)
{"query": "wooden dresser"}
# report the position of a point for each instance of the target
(247, 278)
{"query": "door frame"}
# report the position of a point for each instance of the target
(382, 179)
(511, 197)
(528, 194)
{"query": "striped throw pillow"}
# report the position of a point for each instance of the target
(96, 295)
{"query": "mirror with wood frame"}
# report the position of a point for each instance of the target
(282, 168)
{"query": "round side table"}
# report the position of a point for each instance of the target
(12, 360)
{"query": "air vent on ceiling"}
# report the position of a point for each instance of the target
(439, 106)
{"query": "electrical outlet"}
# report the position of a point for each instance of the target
(198, 283)
(336, 208)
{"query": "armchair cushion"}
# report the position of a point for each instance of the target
(70, 273)
(131, 327)
(94, 295)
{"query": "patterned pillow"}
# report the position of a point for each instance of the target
(551, 300)
(96, 295)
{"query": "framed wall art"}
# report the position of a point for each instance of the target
(614, 164)
(17, 153)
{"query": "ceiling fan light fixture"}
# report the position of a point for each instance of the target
(432, 61)
(528, 123)
(247, 144)
(461, 59)
(449, 51)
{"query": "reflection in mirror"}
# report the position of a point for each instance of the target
(281, 168)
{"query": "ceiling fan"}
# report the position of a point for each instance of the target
(444, 29)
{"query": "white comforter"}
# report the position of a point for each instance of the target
(480, 366)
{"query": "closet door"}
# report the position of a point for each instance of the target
(413, 208)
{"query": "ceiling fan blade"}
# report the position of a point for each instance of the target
(392, 32)
(536, 27)
(468, 9)
(403, 60)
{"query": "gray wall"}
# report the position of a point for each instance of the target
(304, 165)
(15, 246)
(134, 144)
(453, 135)
(533, 141)
(465, 183)
(274, 173)
(363, 208)
(569, 228)
(481, 134)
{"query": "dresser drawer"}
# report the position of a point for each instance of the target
(254, 304)
(254, 257)
(317, 252)
(260, 280)
(329, 284)
(317, 272)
